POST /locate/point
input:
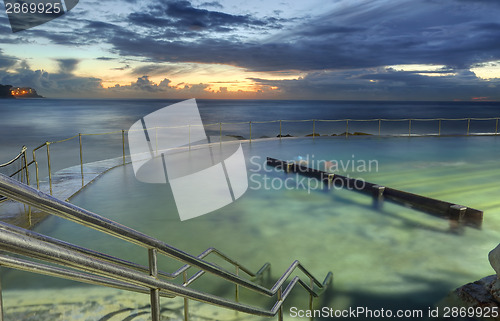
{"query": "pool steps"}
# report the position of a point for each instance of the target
(88, 266)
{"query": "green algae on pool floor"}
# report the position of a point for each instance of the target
(393, 257)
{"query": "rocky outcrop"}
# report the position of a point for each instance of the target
(5, 91)
(484, 293)
(495, 290)
(478, 294)
(494, 258)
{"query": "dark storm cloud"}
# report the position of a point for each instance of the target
(360, 35)
(253, 56)
(83, 32)
(343, 53)
(381, 84)
(182, 16)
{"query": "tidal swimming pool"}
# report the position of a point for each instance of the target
(391, 258)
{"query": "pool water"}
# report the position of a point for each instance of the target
(391, 258)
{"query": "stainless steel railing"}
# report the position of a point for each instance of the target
(90, 266)
(23, 170)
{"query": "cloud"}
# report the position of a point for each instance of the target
(6, 61)
(60, 84)
(180, 18)
(362, 34)
(357, 34)
(168, 69)
(146, 88)
(343, 53)
(385, 84)
(105, 58)
(67, 66)
(212, 4)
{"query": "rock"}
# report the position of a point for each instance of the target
(477, 294)
(495, 290)
(494, 258)
(480, 294)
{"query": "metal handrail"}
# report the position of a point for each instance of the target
(115, 272)
(24, 167)
(24, 149)
(30, 196)
(138, 267)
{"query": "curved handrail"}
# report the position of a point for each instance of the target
(133, 265)
(125, 278)
(28, 195)
(24, 148)
(97, 268)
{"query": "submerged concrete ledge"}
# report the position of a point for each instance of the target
(66, 183)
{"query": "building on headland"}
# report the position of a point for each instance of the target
(24, 92)
(7, 91)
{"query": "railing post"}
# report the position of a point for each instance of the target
(1, 300)
(409, 127)
(468, 126)
(48, 164)
(280, 129)
(311, 298)
(26, 165)
(123, 146)
(314, 128)
(439, 131)
(496, 127)
(156, 139)
(347, 128)
(81, 157)
(189, 136)
(250, 123)
(186, 300)
(280, 310)
(220, 132)
(154, 293)
(29, 215)
(36, 171)
(237, 287)
(379, 125)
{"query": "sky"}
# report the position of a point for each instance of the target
(263, 49)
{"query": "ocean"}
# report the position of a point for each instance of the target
(31, 122)
(394, 257)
